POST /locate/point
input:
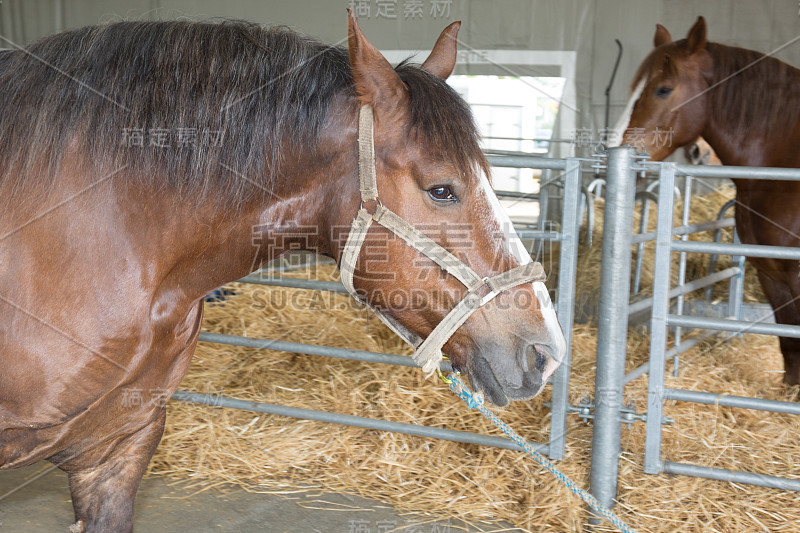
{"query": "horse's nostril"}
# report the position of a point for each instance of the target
(536, 359)
(541, 361)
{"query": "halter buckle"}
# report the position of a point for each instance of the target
(377, 204)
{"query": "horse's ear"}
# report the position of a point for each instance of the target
(696, 40)
(375, 80)
(662, 36)
(442, 60)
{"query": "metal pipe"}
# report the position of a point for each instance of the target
(517, 195)
(312, 349)
(736, 288)
(637, 273)
(712, 261)
(739, 326)
(589, 219)
(531, 139)
(749, 250)
(725, 400)
(703, 171)
(687, 203)
(658, 320)
(542, 235)
(281, 266)
(350, 420)
(644, 368)
(611, 83)
(525, 161)
(612, 327)
(597, 183)
(733, 476)
(568, 257)
(544, 209)
(696, 284)
(688, 229)
(295, 283)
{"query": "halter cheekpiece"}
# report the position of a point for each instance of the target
(428, 352)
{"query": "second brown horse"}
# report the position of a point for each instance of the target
(746, 105)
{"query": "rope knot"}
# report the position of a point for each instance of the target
(472, 399)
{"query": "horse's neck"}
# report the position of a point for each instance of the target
(772, 143)
(734, 148)
(308, 207)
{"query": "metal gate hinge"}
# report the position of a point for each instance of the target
(627, 414)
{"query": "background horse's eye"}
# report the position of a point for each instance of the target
(663, 91)
(442, 194)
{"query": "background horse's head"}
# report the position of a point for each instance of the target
(701, 153)
(432, 172)
(669, 90)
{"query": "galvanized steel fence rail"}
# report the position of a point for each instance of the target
(618, 238)
(662, 319)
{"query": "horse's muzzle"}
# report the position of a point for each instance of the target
(501, 377)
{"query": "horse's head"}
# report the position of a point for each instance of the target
(670, 85)
(701, 153)
(431, 172)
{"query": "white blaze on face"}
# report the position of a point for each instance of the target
(513, 245)
(622, 123)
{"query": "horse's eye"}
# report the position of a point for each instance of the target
(442, 194)
(663, 91)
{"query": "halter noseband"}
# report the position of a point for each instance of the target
(428, 352)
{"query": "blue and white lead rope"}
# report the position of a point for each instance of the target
(475, 401)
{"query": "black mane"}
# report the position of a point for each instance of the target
(212, 104)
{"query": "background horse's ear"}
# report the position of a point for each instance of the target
(442, 60)
(662, 36)
(375, 80)
(696, 40)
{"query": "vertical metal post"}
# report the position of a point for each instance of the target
(736, 290)
(687, 206)
(544, 210)
(612, 331)
(658, 324)
(567, 265)
(637, 273)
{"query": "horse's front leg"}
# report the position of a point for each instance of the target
(104, 486)
(785, 301)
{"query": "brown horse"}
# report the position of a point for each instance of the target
(144, 164)
(746, 105)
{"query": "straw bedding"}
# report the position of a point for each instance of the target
(209, 447)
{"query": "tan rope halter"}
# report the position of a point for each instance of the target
(428, 353)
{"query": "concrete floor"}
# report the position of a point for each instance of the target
(36, 499)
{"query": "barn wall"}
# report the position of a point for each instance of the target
(587, 27)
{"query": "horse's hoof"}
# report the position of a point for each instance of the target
(77, 527)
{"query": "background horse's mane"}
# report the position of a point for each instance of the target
(752, 94)
(762, 97)
(244, 93)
